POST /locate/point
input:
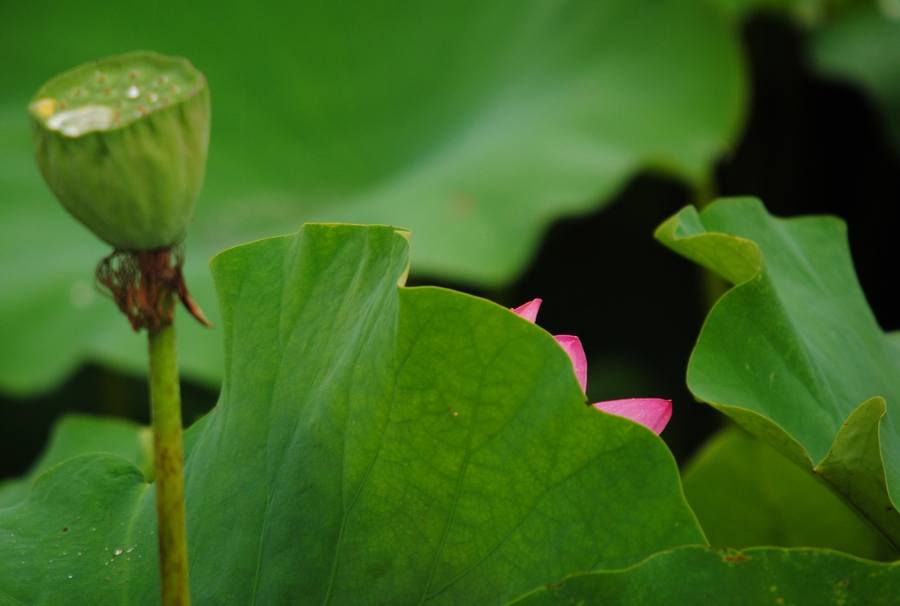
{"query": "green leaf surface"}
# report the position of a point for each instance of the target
(793, 352)
(78, 434)
(745, 494)
(476, 125)
(372, 445)
(742, 9)
(694, 575)
(864, 49)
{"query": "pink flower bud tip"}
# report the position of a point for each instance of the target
(653, 413)
(529, 311)
(572, 346)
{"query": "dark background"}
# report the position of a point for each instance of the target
(810, 146)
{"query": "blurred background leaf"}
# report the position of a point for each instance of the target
(473, 125)
(745, 494)
(863, 48)
(77, 434)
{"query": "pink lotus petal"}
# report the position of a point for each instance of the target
(573, 347)
(529, 311)
(653, 413)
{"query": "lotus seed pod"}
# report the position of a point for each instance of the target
(122, 144)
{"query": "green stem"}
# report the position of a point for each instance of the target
(168, 459)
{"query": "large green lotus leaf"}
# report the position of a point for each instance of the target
(745, 494)
(372, 445)
(742, 9)
(475, 124)
(78, 434)
(694, 575)
(864, 49)
(793, 352)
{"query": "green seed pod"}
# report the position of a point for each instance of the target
(122, 143)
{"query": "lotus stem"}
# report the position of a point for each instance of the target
(168, 460)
